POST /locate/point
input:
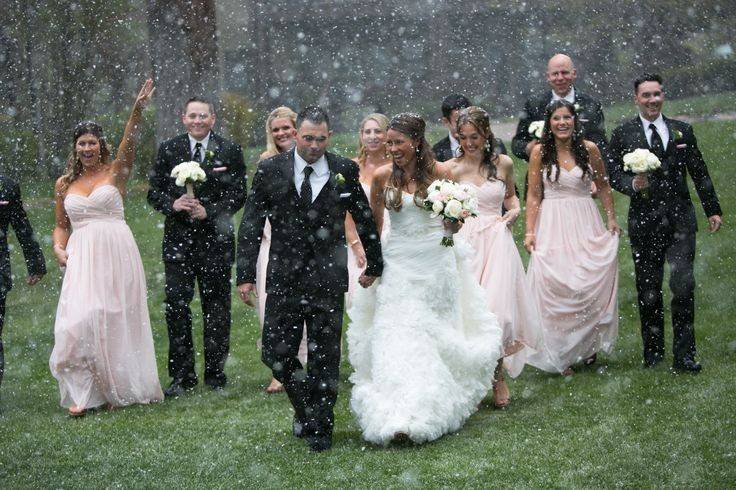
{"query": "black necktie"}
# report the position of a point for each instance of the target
(656, 145)
(197, 153)
(306, 193)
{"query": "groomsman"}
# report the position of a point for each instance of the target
(662, 222)
(198, 242)
(447, 147)
(12, 213)
(561, 77)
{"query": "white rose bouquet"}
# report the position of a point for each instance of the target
(536, 129)
(186, 174)
(641, 161)
(454, 202)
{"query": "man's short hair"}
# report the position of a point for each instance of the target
(201, 100)
(647, 77)
(454, 102)
(314, 114)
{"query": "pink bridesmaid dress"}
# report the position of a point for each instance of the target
(573, 273)
(498, 268)
(354, 271)
(261, 272)
(103, 346)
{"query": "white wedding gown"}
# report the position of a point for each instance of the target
(421, 340)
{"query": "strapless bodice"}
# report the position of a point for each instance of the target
(103, 204)
(490, 197)
(413, 222)
(569, 185)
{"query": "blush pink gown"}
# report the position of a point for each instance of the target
(103, 347)
(498, 268)
(573, 273)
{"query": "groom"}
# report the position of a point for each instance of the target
(305, 194)
(662, 222)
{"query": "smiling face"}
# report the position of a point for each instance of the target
(561, 74)
(403, 149)
(311, 140)
(198, 118)
(284, 133)
(372, 136)
(87, 148)
(562, 123)
(471, 140)
(649, 97)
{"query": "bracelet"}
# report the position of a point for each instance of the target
(354, 242)
(529, 234)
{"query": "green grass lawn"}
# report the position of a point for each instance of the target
(614, 424)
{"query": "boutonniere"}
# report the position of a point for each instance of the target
(338, 179)
(677, 134)
(577, 107)
(209, 155)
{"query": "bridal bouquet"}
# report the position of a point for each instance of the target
(454, 202)
(536, 129)
(186, 174)
(641, 161)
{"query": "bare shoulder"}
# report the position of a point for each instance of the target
(59, 187)
(443, 170)
(382, 173)
(505, 162)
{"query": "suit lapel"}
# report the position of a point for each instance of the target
(670, 140)
(640, 136)
(214, 146)
(185, 153)
(328, 187)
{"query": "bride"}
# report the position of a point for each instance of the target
(422, 343)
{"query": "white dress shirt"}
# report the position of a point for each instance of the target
(193, 143)
(570, 97)
(664, 133)
(317, 180)
(454, 146)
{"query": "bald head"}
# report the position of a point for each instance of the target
(561, 74)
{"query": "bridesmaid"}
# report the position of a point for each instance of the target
(280, 137)
(496, 262)
(372, 154)
(573, 270)
(103, 348)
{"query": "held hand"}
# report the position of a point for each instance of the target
(453, 226)
(613, 227)
(33, 279)
(530, 146)
(366, 281)
(593, 190)
(198, 212)
(640, 182)
(184, 203)
(245, 290)
(529, 242)
(61, 255)
(714, 223)
(144, 96)
(359, 252)
(510, 216)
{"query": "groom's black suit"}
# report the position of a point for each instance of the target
(662, 227)
(199, 249)
(307, 276)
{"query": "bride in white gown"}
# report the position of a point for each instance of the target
(421, 340)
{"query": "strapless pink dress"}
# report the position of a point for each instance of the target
(573, 273)
(498, 268)
(103, 347)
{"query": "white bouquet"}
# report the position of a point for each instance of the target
(186, 174)
(641, 161)
(454, 202)
(536, 129)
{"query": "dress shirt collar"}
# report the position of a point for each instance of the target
(570, 97)
(320, 166)
(192, 142)
(664, 132)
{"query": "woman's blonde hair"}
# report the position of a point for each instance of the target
(278, 113)
(73, 164)
(382, 122)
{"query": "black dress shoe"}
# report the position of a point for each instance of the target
(652, 361)
(178, 388)
(318, 444)
(687, 365)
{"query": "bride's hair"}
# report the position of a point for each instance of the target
(413, 126)
(478, 118)
(73, 163)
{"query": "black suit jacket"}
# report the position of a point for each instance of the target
(669, 207)
(308, 254)
(443, 149)
(222, 195)
(590, 116)
(13, 214)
